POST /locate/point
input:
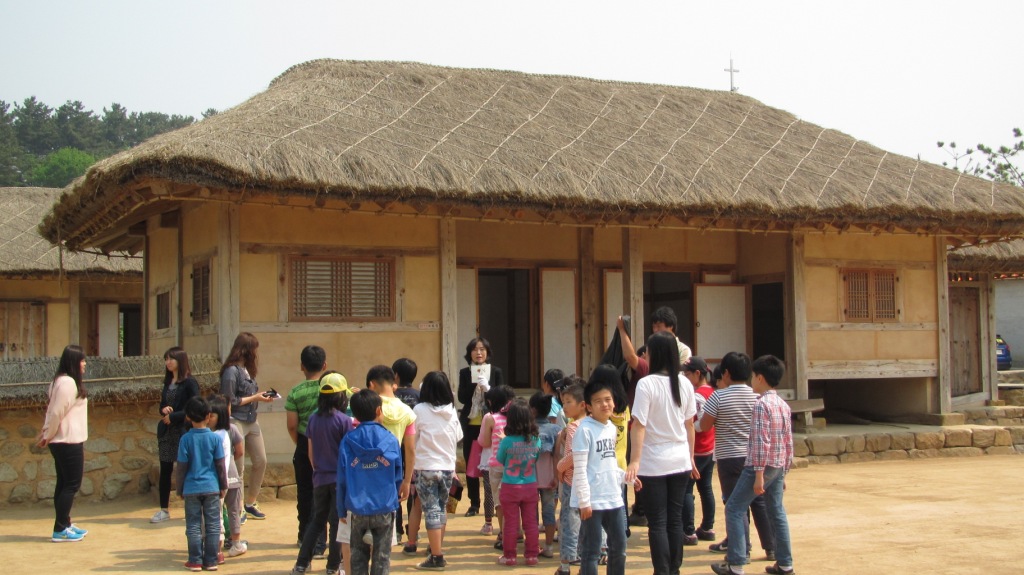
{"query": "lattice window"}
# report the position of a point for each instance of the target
(342, 289)
(870, 295)
(201, 293)
(163, 310)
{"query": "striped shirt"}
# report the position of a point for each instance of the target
(302, 399)
(732, 408)
(771, 433)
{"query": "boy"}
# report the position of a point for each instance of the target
(202, 481)
(596, 484)
(769, 456)
(399, 419)
(300, 404)
(569, 517)
(405, 374)
(369, 476)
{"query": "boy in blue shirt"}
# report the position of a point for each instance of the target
(369, 476)
(202, 481)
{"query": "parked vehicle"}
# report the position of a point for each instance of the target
(1003, 358)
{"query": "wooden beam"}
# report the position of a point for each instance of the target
(449, 297)
(871, 368)
(633, 283)
(944, 371)
(868, 326)
(227, 278)
(589, 286)
(796, 315)
(170, 219)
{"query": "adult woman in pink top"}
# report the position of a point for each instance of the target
(64, 431)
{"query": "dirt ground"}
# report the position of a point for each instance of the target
(959, 515)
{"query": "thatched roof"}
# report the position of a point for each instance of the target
(999, 257)
(569, 149)
(24, 252)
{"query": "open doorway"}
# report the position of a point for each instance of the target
(675, 290)
(769, 319)
(505, 319)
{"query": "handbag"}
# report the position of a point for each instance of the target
(473, 464)
(454, 494)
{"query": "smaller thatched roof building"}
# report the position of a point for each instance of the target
(996, 258)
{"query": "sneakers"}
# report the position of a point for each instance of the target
(776, 570)
(335, 572)
(506, 561)
(561, 571)
(705, 534)
(689, 539)
(500, 543)
(726, 569)
(531, 561)
(722, 547)
(254, 511)
(210, 567)
(433, 563)
(319, 550)
(409, 549)
(546, 551)
(487, 529)
(160, 516)
(66, 536)
(299, 569)
(193, 566)
(769, 555)
(636, 520)
(79, 530)
(472, 512)
(237, 548)
(241, 520)
(220, 558)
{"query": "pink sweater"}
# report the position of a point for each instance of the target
(67, 415)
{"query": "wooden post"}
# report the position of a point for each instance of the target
(796, 316)
(74, 312)
(227, 278)
(633, 283)
(942, 289)
(449, 299)
(589, 288)
(989, 369)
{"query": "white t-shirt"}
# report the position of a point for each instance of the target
(666, 448)
(437, 433)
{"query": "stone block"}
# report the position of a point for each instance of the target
(287, 492)
(44, 489)
(8, 474)
(11, 449)
(21, 493)
(857, 457)
(128, 444)
(1007, 421)
(114, 484)
(87, 487)
(822, 459)
(1018, 448)
(854, 444)
(800, 463)
(30, 470)
(122, 426)
(800, 447)
(877, 442)
(950, 419)
(923, 453)
(902, 440)
(48, 467)
(134, 462)
(1003, 438)
(3, 434)
(145, 485)
(958, 437)
(1014, 411)
(929, 440)
(826, 444)
(149, 424)
(267, 494)
(961, 452)
(984, 437)
(892, 455)
(149, 445)
(277, 474)
(1017, 435)
(101, 445)
(94, 463)
(27, 431)
(1001, 450)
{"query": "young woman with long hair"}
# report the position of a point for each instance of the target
(179, 387)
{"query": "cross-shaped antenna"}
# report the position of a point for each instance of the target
(731, 70)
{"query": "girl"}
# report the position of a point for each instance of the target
(492, 429)
(662, 450)
(179, 387)
(696, 370)
(551, 385)
(540, 406)
(238, 385)
(438, 432)
(64, 431)
(471, 395)
(517, 453)
(231, 438)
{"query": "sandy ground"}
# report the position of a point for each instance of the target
(961, 515)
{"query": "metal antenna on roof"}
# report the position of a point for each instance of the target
(731, 70)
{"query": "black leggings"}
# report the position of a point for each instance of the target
(69, 462)
(166, 471)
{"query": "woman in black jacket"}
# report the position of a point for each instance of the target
(471, 393)
(179, 387)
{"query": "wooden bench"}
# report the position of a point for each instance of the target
(803, 410)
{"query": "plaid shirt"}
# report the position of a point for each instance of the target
(771, 433)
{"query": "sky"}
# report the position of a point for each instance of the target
(899, 74)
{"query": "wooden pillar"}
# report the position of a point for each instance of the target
(74, 312)
(227, 278)
(796, 315)
(633, 283)
(449, 299)
(591, 347)
(942, 289)
(989, 369)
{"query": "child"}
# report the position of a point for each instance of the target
(299, 406)
(517, 454)
(369, 477)
(769, 456)
(597, 480)
(202, 481)
(492, 429)
(547, 483)
(610, 378)
(234, 445)
(405, 374)
(551, 384)
(399, 419)
(569, 519)
(696, 371)
(325, 431)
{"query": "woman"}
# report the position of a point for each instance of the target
(662, 450)
(238, 384)
(471, 395)
(179, 387)
(64, 431)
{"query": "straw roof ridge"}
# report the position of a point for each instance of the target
(996, 257)
(404, 131)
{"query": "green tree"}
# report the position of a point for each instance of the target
(997, 163)
(12, 155)
(210, 112)
(33, 122)
(61, 167)
(77, 127)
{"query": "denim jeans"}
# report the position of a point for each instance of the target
(382, 527)
(736, 515)
(729, 471)
(568, 525)
(520, 501)
(69, 463)
(706, 466)
(432, 488)
(548, 501)
(611, 522)
(663, 502)
(324, 513)
(202, 528)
